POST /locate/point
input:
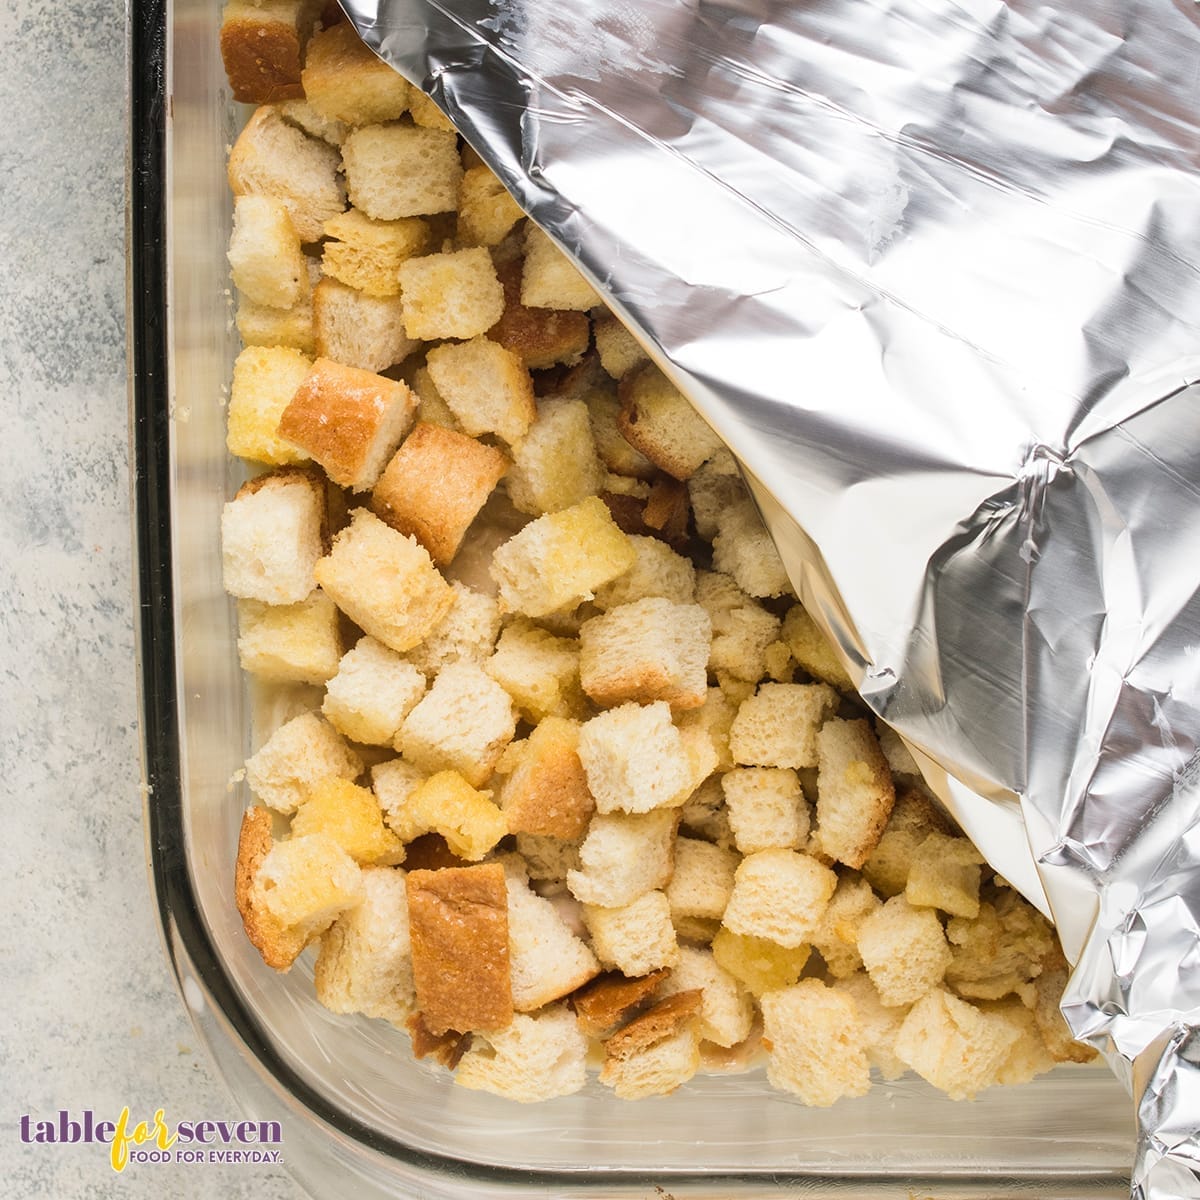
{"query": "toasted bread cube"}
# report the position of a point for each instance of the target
(814, 1043)
(486, 211)
(265, 258)
(384, 582)
(291, 328)
(945, 874)
(635, 759)
(426, 113)
(365, 961)
(614, 451)
(954, 1045)
(446, 804)
(646, 651)
(540, 337)
(349, 420)
(265, 378)
(560, 559)
(463, 724)
(371, 694)
(760, 964)
(455, 294)
(655, 1052)
(261, 46)
(467, 633)
(813, 651)
(743, 548)
(726, 1008)
(550, 279)
(623, 857)
(914, 816)
(272, 533)
(458, 921)
(278, 945)
(538, 670)
(781, 895)
(904, 951)
(298, 755)
(854, 791)
(290, 643)
(619, 350)
(534, 1058)
(395, 171)
(394, 783)
(275, 159)
(546, 792)
(434, 487)
(702, 880)
(1001, 951)
(777, 726)
(366, 254)
(485, 386)
(657, 572)
(657, 419)
(346, 81)
(351, 816)
(742, 629)
(712, 488)
(555, 463)
(636, 938)
(767, 809)
(357, 330)
(306, 118)
(837, 938)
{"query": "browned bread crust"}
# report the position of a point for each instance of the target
(278, 949)
(667, 1017)
(445, 1048)
(543, 337)
(609, 999)
(261, 57)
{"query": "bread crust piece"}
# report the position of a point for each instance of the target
(278, 948)
(458, 918)
(447, 1048)
(611, 997)
(261, 54)
(542, 337)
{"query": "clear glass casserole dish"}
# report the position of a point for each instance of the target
(359, 1113)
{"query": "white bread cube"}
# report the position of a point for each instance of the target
(777, 726)
(344, 80)
(657, 419)
(486, 387)
(291, 328)
(371, 694)
(657, 571)
(837, 938)
(945, 874)
(779, 895)
(619, 350)
(539, 671)
(712, 488)
(455, 294)
(1029, 1055)
(486, 211)
(533, 1059)
(546, 791)
(726, 1008)
(656, 1052)
(715, 717)
(623, 857)
(426, 113)
(636, 938)
(880, 1025)
(272, 158)
(261, 46)
(290, 643)
(365, 960)
(742, 629)
(265, 258)
(358, 330)
(702, 879)
(814, 1043)
(548, 859)
(615, 452)
(272, 533)
(1000, 951)
(467, 633)
(463, 724)
(635, 759)
(904, 951)
(560, 559)
(395, 171)
(854, 791)
(646, 651)
(914, 816)
(555, 463)
(767, 809)
(743, 548)
(367, 254)
(550, 279)
(813, 651)
(706, 816)
(394, 783)
(298, 755)
(896, 751)
(265, 378)
(306, 118)
(384, 582)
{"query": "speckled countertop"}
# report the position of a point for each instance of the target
(91, 1017)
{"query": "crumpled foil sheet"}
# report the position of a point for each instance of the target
(932, 270)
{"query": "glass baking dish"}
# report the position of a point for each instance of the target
(360, 1116)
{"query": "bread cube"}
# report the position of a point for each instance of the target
(463, 724)
(349, 420)
(546, 792)
(539, 671)
(705, 815)
(351, 816)
(814, 1043)
(384, 582)
(1028, 1056)
(623, 857)
(298, 755)
(278, 945)
(291, 328)
(760, 964)
(434, 487)
(550, 279)
(486, 210)
(655, 1052)
(637, 937)
(365, 960)
(712, 488)
(265, 258)
(1001, 951)
(548, 859)
(358, 330)
(467, 633)
(836, 940)
(715, 717)
(455, 294)
(611, 999)
(657, 419)
(615, 452)
(366, 254)
(265, 378)
(726, 1008)
(777, 726)
(395, 171)
(458, 922)
(914, 816)
(261, 47)
(954, 1045)
(742, 629)
(780, 895)
(880, 1025)
(743, 548)
(619, 350)
(272, 158)
(540, 337)
(346, 81)
(945, 874)
(560, 559)
(1056, 1034)
(555, 463)
(532, 1059)
(426, 113)
(904, 951)
(394, 783)
(306, 118)
(371, 694)
(433, 408)
(702, 880)
(813, 651)
(767, 809)
(635, 760)
(485, 386)
(854, 791)
(657, 572)
(290, 643)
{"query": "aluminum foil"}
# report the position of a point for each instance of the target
(932, 270)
